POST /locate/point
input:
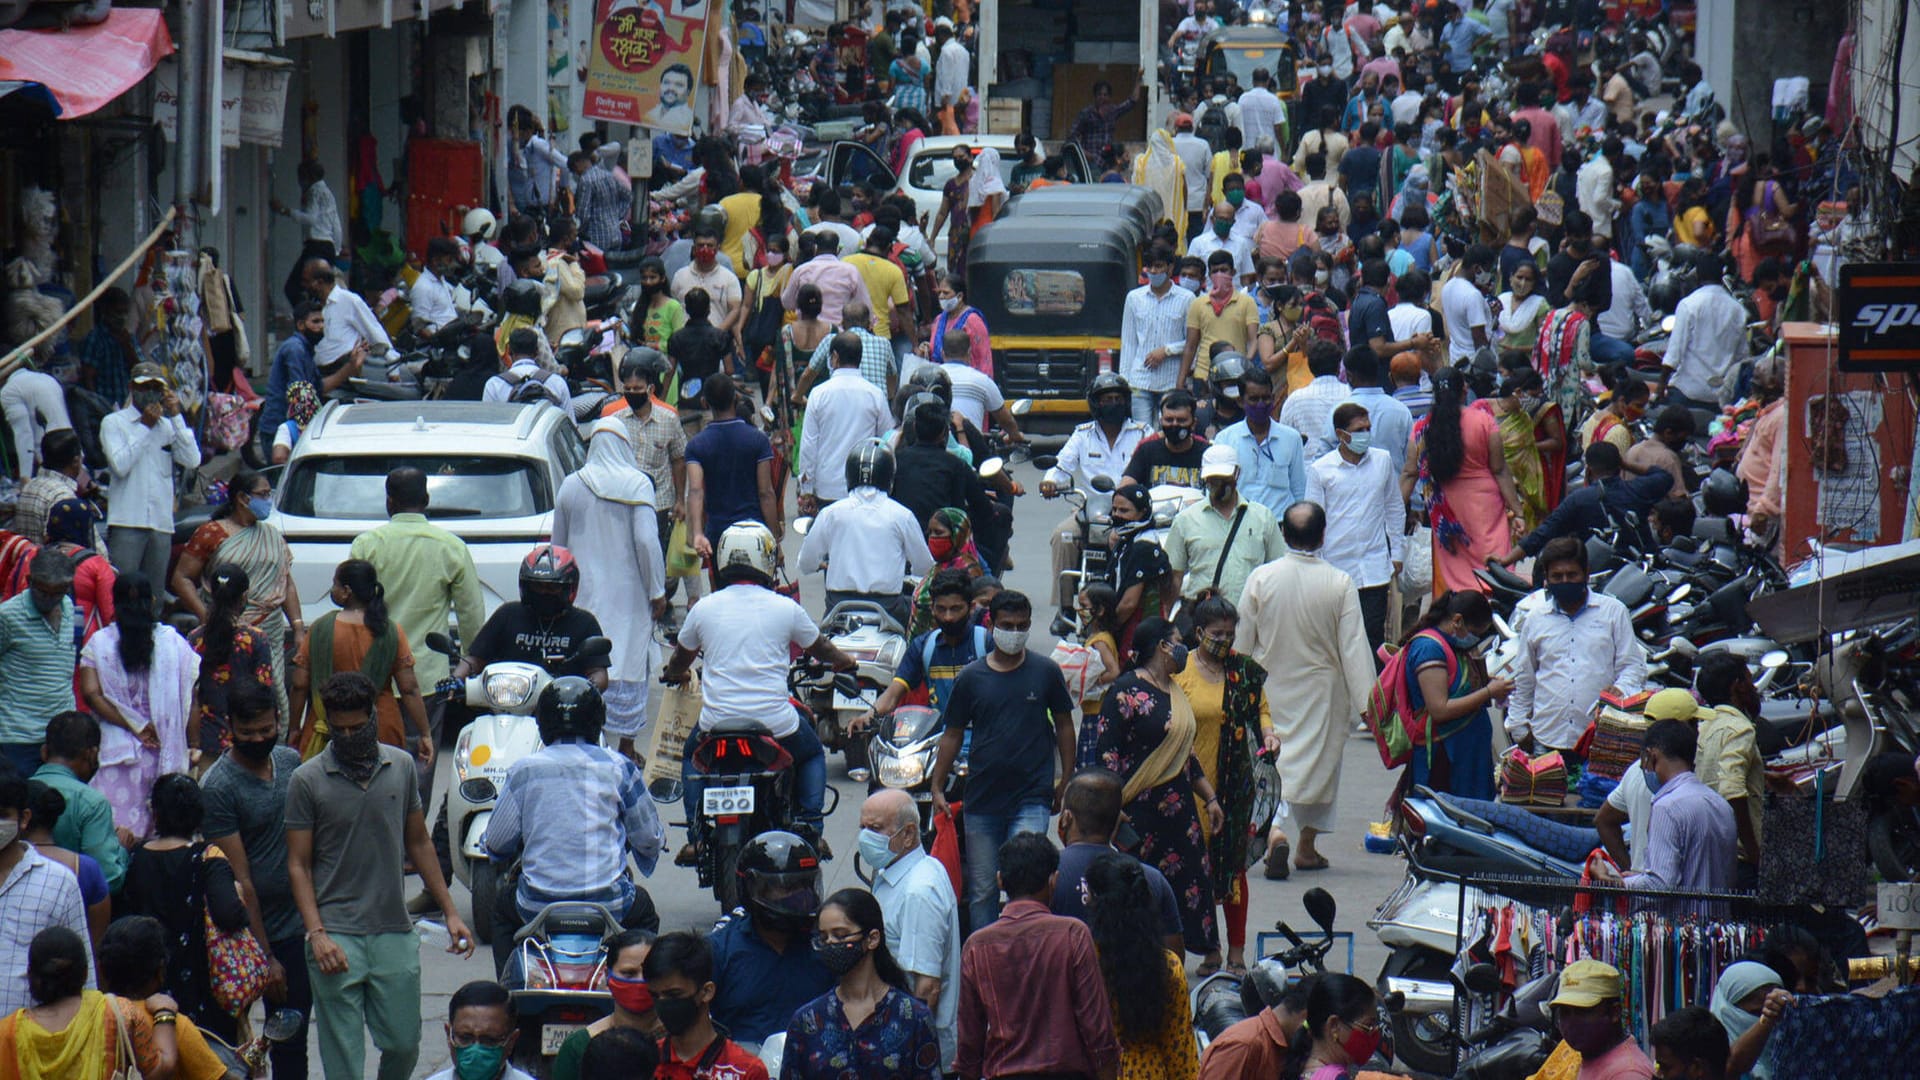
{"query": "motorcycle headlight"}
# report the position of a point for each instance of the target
(508, 691)
(900, 772)
(463, 755)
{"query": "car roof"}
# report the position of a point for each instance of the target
(460, 427)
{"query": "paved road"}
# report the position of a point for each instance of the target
(1357, 880)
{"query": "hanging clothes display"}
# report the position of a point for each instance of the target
(1843, 1035)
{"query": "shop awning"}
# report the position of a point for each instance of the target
(86, 67)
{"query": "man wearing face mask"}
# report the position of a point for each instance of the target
(1153, 329)
(1174, 455)
(1103, 446)
(1358, 486)
(72, 754)
(1595, 506)
(1761, 463)
(1273, 471)
(38, 650)
(35, 893)
(1220, 237)
(1215, 543)
(1691, 839)
(1223, 313)
(1569, 654)
(293, 363)
(917, 905)
(543, 626)
(1464, 306)
(143, 442)
(1019, 712)
(1587, 1013)
(653, 427)
(1632, 799)
(679, 969)
(482, 1027)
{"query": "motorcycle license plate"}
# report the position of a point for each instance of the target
(843, 703)
(552, 1035)
(727, 800)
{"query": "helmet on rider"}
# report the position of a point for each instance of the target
(479, 224)
(711, 216)
(570, 708)
(549, 580)
(746, 552)
(652, 365)
(1109, 398)
(1228, 369)
(524, 298)
(870, 465)
(779, 882)
(1724, 494)
(929, 378)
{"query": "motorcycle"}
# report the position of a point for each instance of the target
(1096, 556)
(1515, 1041)
(562, 979)
(1218, 1001)
(864, 631)
(505, 693)
(250, 1058)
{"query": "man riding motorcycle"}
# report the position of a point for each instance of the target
(763, 958)
(571, 813)
(542, 627)
(747, 631)
(1100, 447)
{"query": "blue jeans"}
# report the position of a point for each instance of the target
(1608, 351)
(1146, 407)
(24, 757)
(809, 774)
(985, 833)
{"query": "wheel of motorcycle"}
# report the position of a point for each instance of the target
(485, 888)
(1422, 1042)
(726, 880)
(1895, 850)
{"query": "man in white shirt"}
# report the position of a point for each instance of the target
(479, 1014)
(1261, 112)
(705, 271)
(1463, 304)
(842, 412)
(1247, 215)
(429, 298)
(917, 906)
(1358, 487)
(949, 71)
(350, 323)
(1579, 646)
(1196, 157)
(1309, 410)
(1220, 237)
(1594, 186)
(1100, 447)
(1708, 343)
(1153, 331)
(1411, 316)
(523, 366)
(975, 395)
(1582, 110)
(143, 442)
(1320, 192)
(1630, 310)
(867, 542)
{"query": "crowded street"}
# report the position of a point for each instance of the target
(935, 540)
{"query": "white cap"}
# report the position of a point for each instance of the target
(1219, 460)
(943, 21)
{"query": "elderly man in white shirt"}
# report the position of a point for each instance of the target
(1223, 237)
(1153, 333)
(918, 907)
(1708, 343)
(143, 442)
(1359, 488)
(1570, 651)
(842, 412)
(867, 542)
(350, 322)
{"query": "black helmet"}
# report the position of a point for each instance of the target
(870, 465)
(779, 878)
(924, 410)
(570, 708)
(544, 567)
(1664, 295)
(1724, 493)
(524, 297)
(1107, 382)
(1228, 369)
(647, 363)
(933, 380)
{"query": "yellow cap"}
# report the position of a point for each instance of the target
(1675, 704)
(1586, 983)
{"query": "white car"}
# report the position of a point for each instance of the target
(493, 472)
(931, 167)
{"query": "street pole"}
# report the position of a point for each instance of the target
(191, 95)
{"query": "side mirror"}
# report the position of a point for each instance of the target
(1022, 407)
(847, 683)
(802, 526)
(442, 644)
(666, 790)
(576, 336)
(1102, 484)
(595, 647)
(282, 1024)
(1320, 908)
(991, 468)
(1045, 461)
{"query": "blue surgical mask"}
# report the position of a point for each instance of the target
(1158, 280)
(1360, 442)
(261, 506)
(1191, 284)
(874, 849)
(1652, 778)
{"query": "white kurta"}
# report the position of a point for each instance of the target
(1300, 619)
(617, 547)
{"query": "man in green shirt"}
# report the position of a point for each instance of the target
(72, 755)
(1205, 548)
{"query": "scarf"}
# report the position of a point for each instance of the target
(376, 665)
(1176, 746)
(1219, 295)
(986, 181)
(1412, 193)
(611, 471)
(964, 556)
(260, 550)
(86, 1050)
(169, 680)
(1161, 169)
(1736, 982)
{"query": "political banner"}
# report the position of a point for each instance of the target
(645, 62)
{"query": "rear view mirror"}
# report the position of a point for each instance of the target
(442, 644)
(802, 526)
(1320, 908)
(595, 648)
(1023, 407)
(1045, 461)
(1102, 484)
(282, 1024)
(1775, 658)
(665, 790)
(847, 683)
(992, 467)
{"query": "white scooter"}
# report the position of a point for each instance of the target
(506, 694)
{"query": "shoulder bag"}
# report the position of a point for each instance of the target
(237, 969)
(1770, 232)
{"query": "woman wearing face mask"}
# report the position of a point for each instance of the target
(950, 539)
(1451, 684)
(632, 1002)
(1748, 1001)
(1626, 407)
(1145, 733)
(1139, 570)
(1146, 984)
(763, 319)
(240, 535)
(1459, 461)
(1518, 410)
(137, 676)
(868, 1024)
(1522, 308)
(1228, 694)
(951, 292)
(1564, 355)
(661, 316)
(70, 530)
(1334, 245)
(955, 214)
(1280, 345)
(303, 403)
(1341, 1034)
(359, 637)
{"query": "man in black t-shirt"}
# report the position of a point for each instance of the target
(698, 350)
(1173, 456)
(543, 627)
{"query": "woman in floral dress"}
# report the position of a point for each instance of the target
(1145, 733)
(228, 649)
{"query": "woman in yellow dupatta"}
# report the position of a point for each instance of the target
(1160, 169)
(1520, 389)
(1144, 734)
(72, 1033)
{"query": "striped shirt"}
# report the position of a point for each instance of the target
(39, 894)
(36, 667)
(876, 358)
(1151, 322)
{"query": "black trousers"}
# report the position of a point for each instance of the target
(1373, 613)
(290, 1058)
(295, 289)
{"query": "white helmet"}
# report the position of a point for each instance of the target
(479, 222)
(745, 546)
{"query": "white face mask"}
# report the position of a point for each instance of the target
(9, 832)
(948, 303)
(1010, 642)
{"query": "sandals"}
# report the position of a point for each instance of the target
(1207, 969)
(1320, 863)
(1276, 862)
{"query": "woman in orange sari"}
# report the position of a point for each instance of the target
(74, 1033)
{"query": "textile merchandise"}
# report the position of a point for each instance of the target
(1618, 730)
(1533, 781)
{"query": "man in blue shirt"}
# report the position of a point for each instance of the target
(1273, 470)
(729, 471)
(293, 362)
(1691, 840)
(1459, 36)
(764, 967)
(1607, 497)
(1392, 420)
(934, 659)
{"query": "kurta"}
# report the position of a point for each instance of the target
(617, 547)
(1300, 620)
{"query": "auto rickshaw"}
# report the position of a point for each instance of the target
(1053, 290)
(1138, 205)
(1237, 50)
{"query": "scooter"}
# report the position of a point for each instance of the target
(561, 983)
(505, 693)
(1221, 1000)
(1095, 525)
(902, 750)
(250, 1058)
(864, 631)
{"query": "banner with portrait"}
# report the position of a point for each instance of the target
(645, 62)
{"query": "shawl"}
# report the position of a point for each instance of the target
(986, 181)
(169, 680)
(611, 471)
(1169, 758)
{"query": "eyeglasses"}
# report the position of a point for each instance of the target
(463, 1041)
(824, 938)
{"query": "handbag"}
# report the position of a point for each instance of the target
(1770, 232)
(237, 968)
(126, 1065)
(1416, 572)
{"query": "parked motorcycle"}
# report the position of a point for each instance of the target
(505, 694)
(559, 979)
(1515, 1041)
(1223, 999)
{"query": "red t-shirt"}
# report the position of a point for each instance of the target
(731, 1063)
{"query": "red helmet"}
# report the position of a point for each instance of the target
(544, 568)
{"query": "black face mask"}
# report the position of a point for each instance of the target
(1176, 433)
(1111, 412)
(637, 401)
(544, 605)
(677, 1014)
(652, 289)
(254, 750)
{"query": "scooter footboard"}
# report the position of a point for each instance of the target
(474, 844)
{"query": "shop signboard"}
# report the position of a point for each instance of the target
(1878, 314)
(644, 62)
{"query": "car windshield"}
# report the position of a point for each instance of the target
(932, 170)
(457, 486)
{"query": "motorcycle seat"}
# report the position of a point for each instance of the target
(626, 259)
(1569, 843)
(738, 727)
(570, 917)
(1507, 579)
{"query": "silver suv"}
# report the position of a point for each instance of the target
(493, 472)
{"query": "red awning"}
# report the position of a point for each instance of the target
(85, 67)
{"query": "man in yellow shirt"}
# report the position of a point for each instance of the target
(1728, 759)
(743, 216)
(886, 283)
(1220, 313)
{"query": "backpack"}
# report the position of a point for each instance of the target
(227, 421)
(1396, 725)
(1212, 126)
(530, 391)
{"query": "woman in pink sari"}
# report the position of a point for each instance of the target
(137, 676)
(1458, 461)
